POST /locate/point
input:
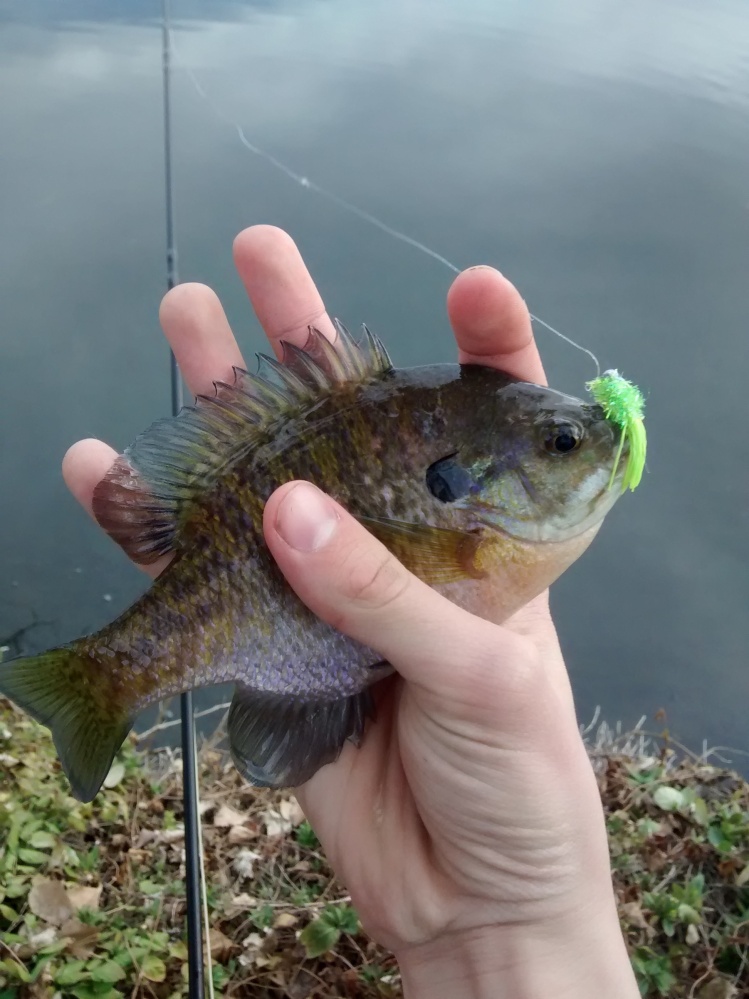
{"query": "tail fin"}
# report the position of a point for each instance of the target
(63, 689)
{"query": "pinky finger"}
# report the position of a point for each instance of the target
(85, 464)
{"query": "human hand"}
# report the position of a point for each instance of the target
(468, 827)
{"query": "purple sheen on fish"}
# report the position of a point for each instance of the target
(485, 487)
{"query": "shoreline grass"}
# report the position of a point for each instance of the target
(92, 895)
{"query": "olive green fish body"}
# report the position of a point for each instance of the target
(485, 487)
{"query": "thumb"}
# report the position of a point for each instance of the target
(349, 579)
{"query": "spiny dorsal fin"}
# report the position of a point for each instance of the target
(141, 500)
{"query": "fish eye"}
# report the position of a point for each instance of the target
(562, 438)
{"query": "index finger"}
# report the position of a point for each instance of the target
(281, 290)
(492, 324)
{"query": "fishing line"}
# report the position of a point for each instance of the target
(343, 203)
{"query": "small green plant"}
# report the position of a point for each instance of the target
(304, 894)
(262, 918)
(729, 829)
(323, 933)
(653, 972)
(681, 904)
(306, 837)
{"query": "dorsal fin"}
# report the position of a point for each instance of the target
(141, 501)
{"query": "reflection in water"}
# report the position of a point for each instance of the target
(596, 153)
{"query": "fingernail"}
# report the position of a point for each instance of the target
(306, 518)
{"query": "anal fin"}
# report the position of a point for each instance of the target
(277, 740)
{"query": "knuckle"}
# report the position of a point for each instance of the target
(374, 580)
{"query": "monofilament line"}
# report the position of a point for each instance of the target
(349, 206)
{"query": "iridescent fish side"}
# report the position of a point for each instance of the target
(485, 487)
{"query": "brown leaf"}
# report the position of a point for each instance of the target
(244, 863)
(252, 949)
(304, 985)
(227, 817)
(631, 912)
(82, 938)
(175, 835)
(718, 988)
(39, 940)
(275, 823)
(291, 810)
(239, 834)
(240, 904)
(221, 946)
(49, 900)
(81, 897)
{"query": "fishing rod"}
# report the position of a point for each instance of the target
(193, 851)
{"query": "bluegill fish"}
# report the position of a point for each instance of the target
(484, 486)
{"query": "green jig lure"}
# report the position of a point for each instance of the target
(623, 403)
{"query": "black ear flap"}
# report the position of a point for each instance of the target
(447, 480)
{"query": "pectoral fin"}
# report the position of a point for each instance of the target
(281, 741)
(434, 554)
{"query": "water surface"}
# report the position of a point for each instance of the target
(595, 152)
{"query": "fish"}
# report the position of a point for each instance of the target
(485, 486)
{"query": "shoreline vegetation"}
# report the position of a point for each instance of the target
(92, 895)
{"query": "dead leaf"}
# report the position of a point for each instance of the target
(275, 823)
(633, 914)
(227, 817)
(244, 863)
(81, 897)
(49, 900)
(718, 988)
(304, 985)
(284, 921)
(240, 904)
(252, 950)
(44, 938)
(269, 961)
(692, 936)
(291, 810)
(221, 946)
(279, 977)
(82, 938)
(239, 834)
(171, 835)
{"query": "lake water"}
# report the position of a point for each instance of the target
(596, 152)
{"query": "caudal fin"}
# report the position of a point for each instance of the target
(63, 690)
